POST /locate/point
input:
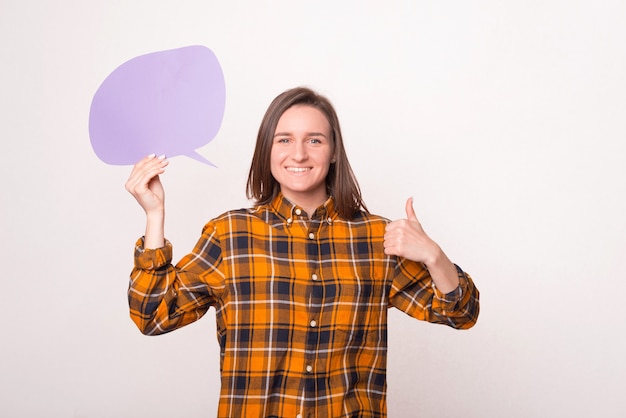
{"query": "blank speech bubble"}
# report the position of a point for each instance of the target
(165, 103)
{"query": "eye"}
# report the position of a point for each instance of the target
(315, 141)
(282, 140)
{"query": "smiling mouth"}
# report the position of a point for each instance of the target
(298, 169)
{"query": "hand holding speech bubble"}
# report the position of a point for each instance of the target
(165, 103)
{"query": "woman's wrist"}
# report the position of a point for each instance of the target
(155, 226)
(442, 271)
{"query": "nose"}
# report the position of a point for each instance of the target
(300, 152)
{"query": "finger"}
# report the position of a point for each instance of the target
(395, 225)
(152, 166)
(142, 165)
(410, 213)
(144, 172)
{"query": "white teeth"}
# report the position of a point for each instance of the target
(297, 169)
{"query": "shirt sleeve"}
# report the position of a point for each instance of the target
(163, 297)
(413, 291)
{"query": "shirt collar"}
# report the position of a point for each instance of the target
(290, 211)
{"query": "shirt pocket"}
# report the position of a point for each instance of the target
(358, 309)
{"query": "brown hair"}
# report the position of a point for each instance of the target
(340, 180)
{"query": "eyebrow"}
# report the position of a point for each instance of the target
(308, 134)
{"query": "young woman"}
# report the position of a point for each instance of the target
(301, 282)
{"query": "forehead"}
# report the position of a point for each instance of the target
(303, 118)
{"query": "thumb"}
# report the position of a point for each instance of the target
(410, 213)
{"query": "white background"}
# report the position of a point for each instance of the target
(505, 120)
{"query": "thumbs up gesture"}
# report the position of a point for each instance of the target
(406, 238)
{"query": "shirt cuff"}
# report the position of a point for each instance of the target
(450, 299)
(152, 259)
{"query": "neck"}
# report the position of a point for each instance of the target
(308, 202)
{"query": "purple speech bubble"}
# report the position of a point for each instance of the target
(164, 103)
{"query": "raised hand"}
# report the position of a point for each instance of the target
(406, 238)
(144, 183)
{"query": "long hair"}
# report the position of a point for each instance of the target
(340, 180)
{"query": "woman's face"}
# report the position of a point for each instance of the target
(302, 151)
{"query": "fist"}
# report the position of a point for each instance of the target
(406, 238)
(144, 183)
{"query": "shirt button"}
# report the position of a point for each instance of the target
(289, 220)
(299, 416)
(298, 211)
(314, 277)
(330, 221)
(309, 368)
(311, 235)
(313, 323)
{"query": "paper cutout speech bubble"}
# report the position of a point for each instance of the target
(164, 103)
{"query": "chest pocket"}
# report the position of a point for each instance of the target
(351, 305)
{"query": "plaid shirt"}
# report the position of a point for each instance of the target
(301, 307)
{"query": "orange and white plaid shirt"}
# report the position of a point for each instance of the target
(301, 307)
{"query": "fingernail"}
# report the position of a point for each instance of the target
(151, 156)
(162, 157)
